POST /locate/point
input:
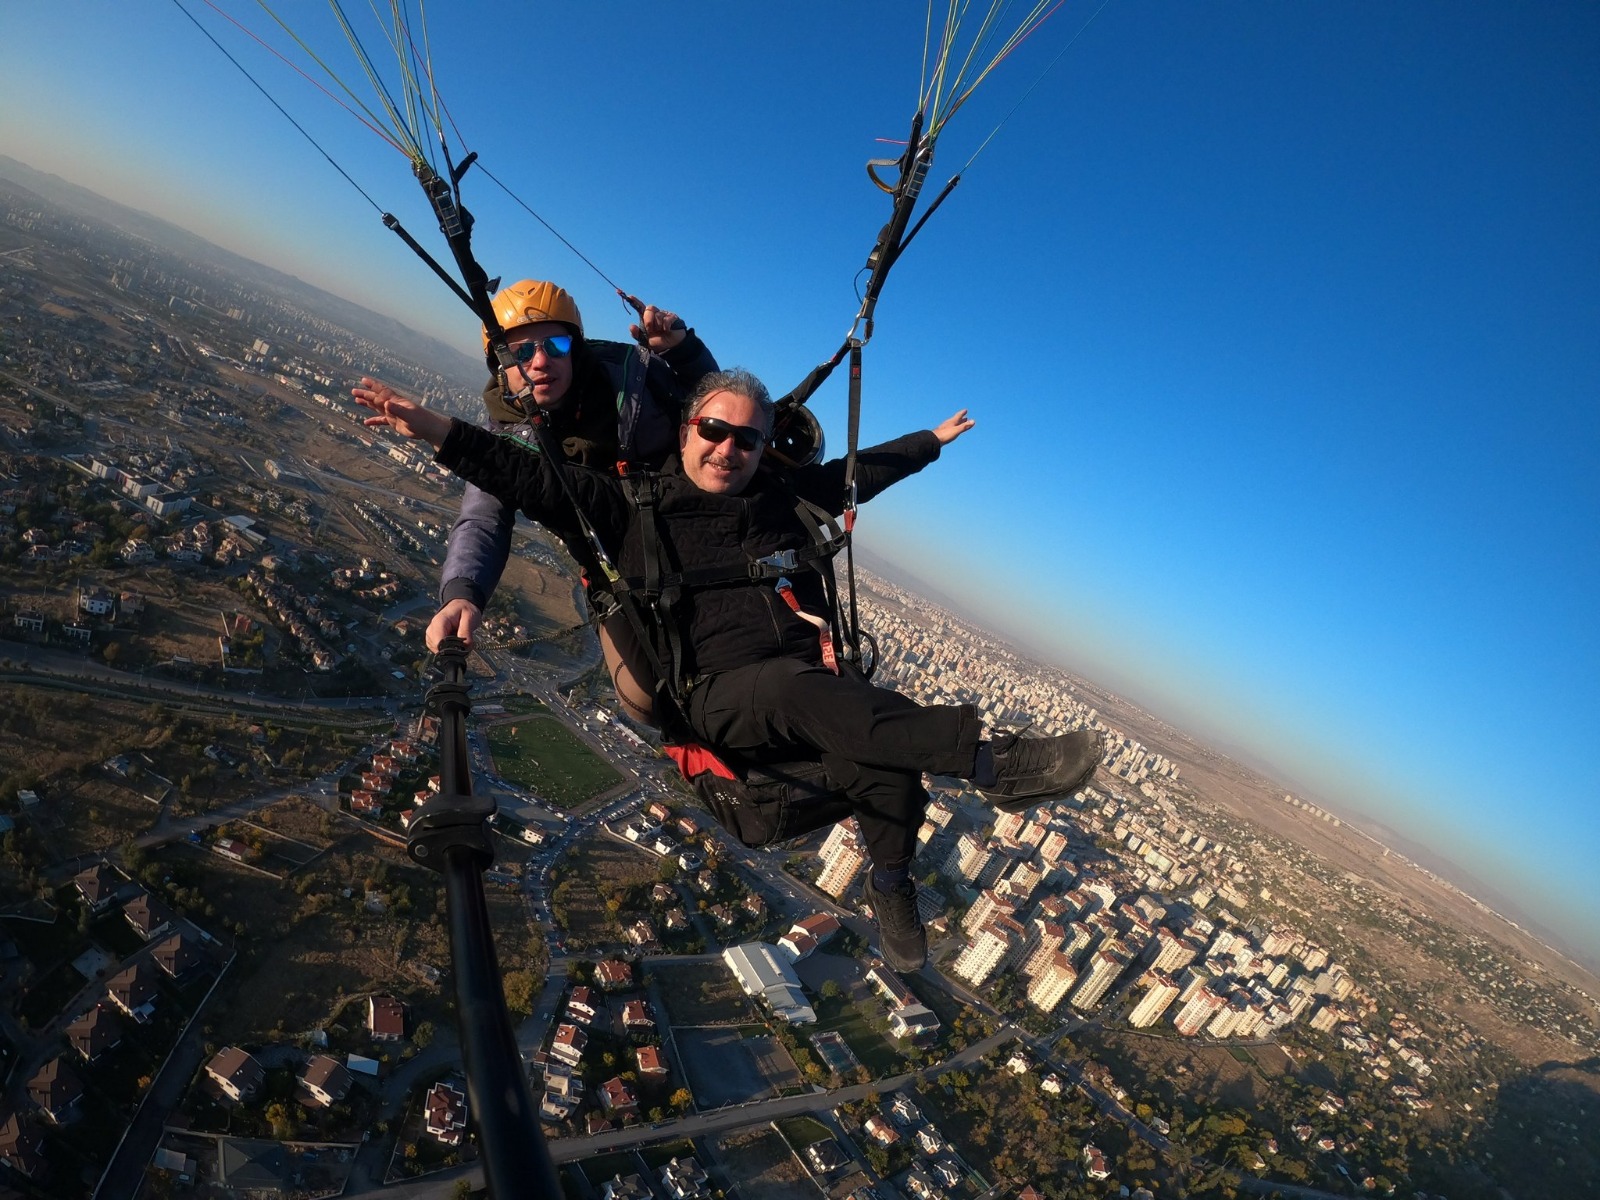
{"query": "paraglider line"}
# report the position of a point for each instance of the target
(1036, 82)
(288, 62)
(378, 207)
(554, 231)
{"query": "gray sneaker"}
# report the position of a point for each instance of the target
(901, 937)
(1029, 771)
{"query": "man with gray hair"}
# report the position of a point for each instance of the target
(747, 654)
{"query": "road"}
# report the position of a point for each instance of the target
(44, 666)
(39, 666)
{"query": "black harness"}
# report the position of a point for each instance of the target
(654, 601)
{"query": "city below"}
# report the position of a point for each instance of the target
(222, 975)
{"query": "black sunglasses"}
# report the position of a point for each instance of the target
(715, 430)
(557, 345)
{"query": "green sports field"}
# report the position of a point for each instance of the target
(543, 755)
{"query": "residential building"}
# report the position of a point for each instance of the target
(568, 1044)
(618, 1098)
(1101, 971)
(133, 990)
(1197, 1011)
(56, 1089)
(236, 1072)
(326, 1080)
(21, 1145)
(988, 948)
(94, 1033)
(386, 1018)
(178, 955)
(147, 916)
(652, 1063)
(1162, 992)
(445, 1112)
(843, 856)
(98, 886)
(685, 1179)
(1054, 978)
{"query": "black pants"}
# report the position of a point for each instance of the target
(875, 744)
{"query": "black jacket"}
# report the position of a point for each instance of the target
(724, 626)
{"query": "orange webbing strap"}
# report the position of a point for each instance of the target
(824, 634)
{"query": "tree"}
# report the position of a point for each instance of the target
(277, 1115)
(518, 987)
(831, 989)
(462, 1190)
(422, 1035)
(682, 1100)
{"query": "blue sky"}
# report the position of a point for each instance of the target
(1281, 324)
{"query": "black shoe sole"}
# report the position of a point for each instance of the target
(872, 895)
(1022, 804)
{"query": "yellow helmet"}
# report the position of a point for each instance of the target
(530, 301)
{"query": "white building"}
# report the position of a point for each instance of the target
(843, 855)
(763, 974)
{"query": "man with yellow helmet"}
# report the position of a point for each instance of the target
(603, 404)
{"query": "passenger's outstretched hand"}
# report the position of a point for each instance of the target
(951, 428)
(659, 328)
(405, 417)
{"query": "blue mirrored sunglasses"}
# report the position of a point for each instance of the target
(557, 345)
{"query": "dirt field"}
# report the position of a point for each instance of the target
(44, 731)
(759, 1165)
(307, 945)
(597, 869)
(303, 821)
(1164, 1068)
(725, 1067)
(700, 995)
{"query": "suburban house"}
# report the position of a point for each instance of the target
(92, 1034)
(326, 1079)
(447, 1113)
(147, 915)
(826, 1155)
(630, 1187)
(618, 1097)
(178, 956)
(581, 1005)
(568, 1044)
(652, 1063)
(684, 1179)
(904, 1110)
(237, 1073)
(636, 1018)
(98, 886)
(386, 1018)
(21, 1146)
(133, 990)
(56, 1089)
(880, 1130)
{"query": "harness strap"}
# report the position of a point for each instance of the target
(824, 634)
(630, 402)
(693, 758)
(854, 633)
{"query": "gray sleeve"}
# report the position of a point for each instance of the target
(477, 550)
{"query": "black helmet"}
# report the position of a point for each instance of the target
(796, 435)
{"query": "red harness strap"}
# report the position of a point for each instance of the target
(824, 636)
(694, 759)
